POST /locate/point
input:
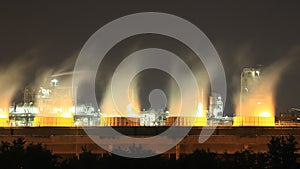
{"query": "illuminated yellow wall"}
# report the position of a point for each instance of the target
(54, 121)
(253, 121)
(200, 121)
(3, 122)
(4, 117)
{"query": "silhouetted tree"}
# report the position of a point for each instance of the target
(12, 156)
(261, 161)
(86, 160)
(15, 156)
(200, 159)
(5, 147)
(282, 152)
(37, 156)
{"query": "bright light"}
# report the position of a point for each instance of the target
(114, 115)
(66, 115)
(3, 116)
(258, 102)
(3, 113)
(200, 112)
(57, 110)
(72, 109)
(129, 107)
(54, 82)
(265, 114)
(131, 112)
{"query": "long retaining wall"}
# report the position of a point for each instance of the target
(67, 141)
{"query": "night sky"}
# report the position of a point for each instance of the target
(49, 34)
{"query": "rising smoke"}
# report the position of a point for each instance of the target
(261, 101)
(12, 79)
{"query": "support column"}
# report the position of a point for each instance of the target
(177, 151)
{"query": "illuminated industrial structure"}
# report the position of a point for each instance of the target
(291, 116)
(215, 106)
(115, 118)
(52, 104)
(119, 121)
(55, 105)
(153, 117)
(198, 119)
(256, 104)
(23, 115)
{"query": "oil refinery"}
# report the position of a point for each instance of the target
(48, 115)
(51, 104)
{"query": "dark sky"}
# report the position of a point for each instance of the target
(244, 34)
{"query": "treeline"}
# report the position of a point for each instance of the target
(281, 155)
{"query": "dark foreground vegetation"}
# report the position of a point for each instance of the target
(281, 155)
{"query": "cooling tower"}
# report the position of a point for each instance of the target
(256, 105)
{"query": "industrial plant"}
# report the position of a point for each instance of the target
(52, 104)
(50, 115)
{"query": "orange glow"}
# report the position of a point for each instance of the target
(256, 102)
(57, 110)
(253, 121)
(198, 118)
(66, 115)
(256, 105)
(255, 110)
(265, 114)
(57, 116)
(53, 121)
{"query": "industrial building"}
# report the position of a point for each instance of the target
(49, 116)
(255, 107)
(216, 106)
(52, 104)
